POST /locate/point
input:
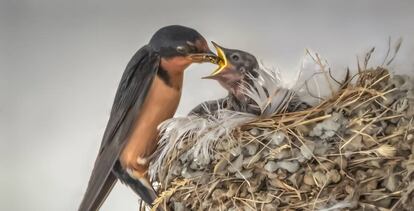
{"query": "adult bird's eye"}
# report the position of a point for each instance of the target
(235, 57)
(180, 49)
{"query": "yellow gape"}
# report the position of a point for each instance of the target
(222, 62)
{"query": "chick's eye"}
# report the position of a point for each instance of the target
(235, 57)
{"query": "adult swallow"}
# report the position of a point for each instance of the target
(148, 94)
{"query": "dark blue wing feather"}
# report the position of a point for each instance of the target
(129, 98)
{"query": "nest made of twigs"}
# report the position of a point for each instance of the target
(353, 151)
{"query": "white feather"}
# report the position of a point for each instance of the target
(267, 93)
(314, 82)
(203, 131)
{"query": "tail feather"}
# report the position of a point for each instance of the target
(106, 189)
(101, 180)
(94, 204)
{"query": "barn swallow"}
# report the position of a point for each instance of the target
(148, 94)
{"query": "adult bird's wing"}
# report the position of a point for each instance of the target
(131, 94)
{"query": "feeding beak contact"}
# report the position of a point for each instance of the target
(221, 61)
(204, 57)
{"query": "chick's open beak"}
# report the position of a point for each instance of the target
(221, 61)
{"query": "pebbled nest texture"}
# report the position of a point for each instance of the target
(352, 151)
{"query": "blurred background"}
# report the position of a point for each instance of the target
(61, 61)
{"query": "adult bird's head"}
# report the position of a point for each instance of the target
(234, 69)
(180, 46)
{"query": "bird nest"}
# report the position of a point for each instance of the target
(352, 151)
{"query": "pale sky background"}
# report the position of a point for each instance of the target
(61, 61)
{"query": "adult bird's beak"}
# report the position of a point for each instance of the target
(204, 57)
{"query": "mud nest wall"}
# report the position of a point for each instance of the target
(354, 151)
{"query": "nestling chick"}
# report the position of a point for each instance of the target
(239, 70)
(236, 67)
